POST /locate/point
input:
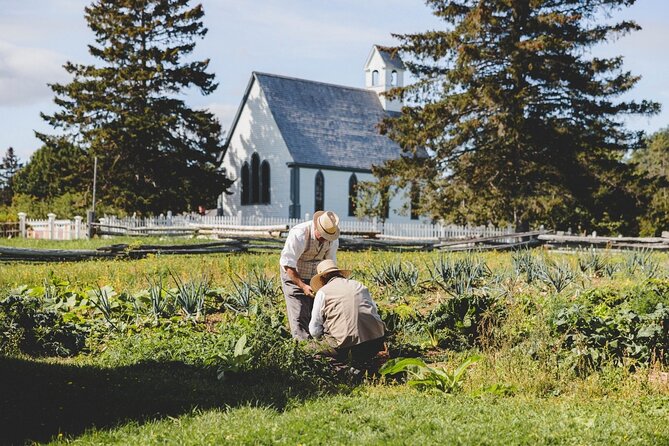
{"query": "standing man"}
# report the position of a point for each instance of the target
(307, 245)
(345, 315)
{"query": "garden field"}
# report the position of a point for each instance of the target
(530, 347)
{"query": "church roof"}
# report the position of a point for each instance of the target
(390, 58)
(326, 125)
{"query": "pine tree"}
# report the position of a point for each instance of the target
(154, 152)
(522, 125)
(652, 165)
(8, 168)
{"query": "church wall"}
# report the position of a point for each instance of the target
(336, 193)
(256, 131)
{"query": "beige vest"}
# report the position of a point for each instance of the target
(348, 314)
(313, 254)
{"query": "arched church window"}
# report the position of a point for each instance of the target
(375, 77)
(352, 194)
(255, 178)
(393, 78)
(264, 182)
(245, 183)
(319, 192)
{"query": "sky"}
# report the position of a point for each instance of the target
(322, 40)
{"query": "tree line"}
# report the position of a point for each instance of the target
(510, 120)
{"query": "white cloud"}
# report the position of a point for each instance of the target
(25, 72)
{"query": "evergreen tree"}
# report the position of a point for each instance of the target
(652, 165)
(8, 168)
(521, 125)
(154, 152)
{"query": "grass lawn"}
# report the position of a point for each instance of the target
(171, 403)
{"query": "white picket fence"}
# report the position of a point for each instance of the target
(53, 229)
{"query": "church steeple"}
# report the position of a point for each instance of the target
(384, 71)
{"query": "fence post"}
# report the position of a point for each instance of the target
(77, 227)
(52, 225)
(239, 218)
(22, 224)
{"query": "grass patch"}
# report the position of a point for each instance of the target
(383, 415)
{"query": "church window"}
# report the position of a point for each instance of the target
(375, 78)
(319, 192)
(393, 78)
(245, 183)
(352, 194)
(255, 179)
(264, 182)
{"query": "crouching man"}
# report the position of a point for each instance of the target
(344, 315)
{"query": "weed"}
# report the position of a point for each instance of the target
(423, 376)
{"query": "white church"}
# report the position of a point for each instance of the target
(298, 146)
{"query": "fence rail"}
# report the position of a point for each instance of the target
(173, 225)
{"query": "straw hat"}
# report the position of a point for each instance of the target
(327, 224)
(323, 268)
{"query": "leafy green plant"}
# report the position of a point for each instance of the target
(458, 323)
(557, 275)
(422, 376)
(101, 298)
(189, 296)
(459, 276)
(642, 261)
(241, 298)
(235, 361)
(263, 286)
(158, 302)
(27, 326)
(398, 275)
(592, 262)
(524, 262)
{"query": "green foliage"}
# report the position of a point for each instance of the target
(235, 361)
(459, 276)
(422, 376)
(624, 327)
(511, 121)
(53, 170)
(189, 296)
(462, 321)
(400, 276)
(558, 275)
(27, 326)
(154, 152)
(650, 163)
(8, 167)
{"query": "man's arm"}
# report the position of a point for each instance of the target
(297, 280)
(292, 250)
(316, 323)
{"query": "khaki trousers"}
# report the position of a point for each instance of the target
(298, 307)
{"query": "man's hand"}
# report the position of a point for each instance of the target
(295, 277)
(307, 290)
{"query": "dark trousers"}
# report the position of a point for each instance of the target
(359, 353)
